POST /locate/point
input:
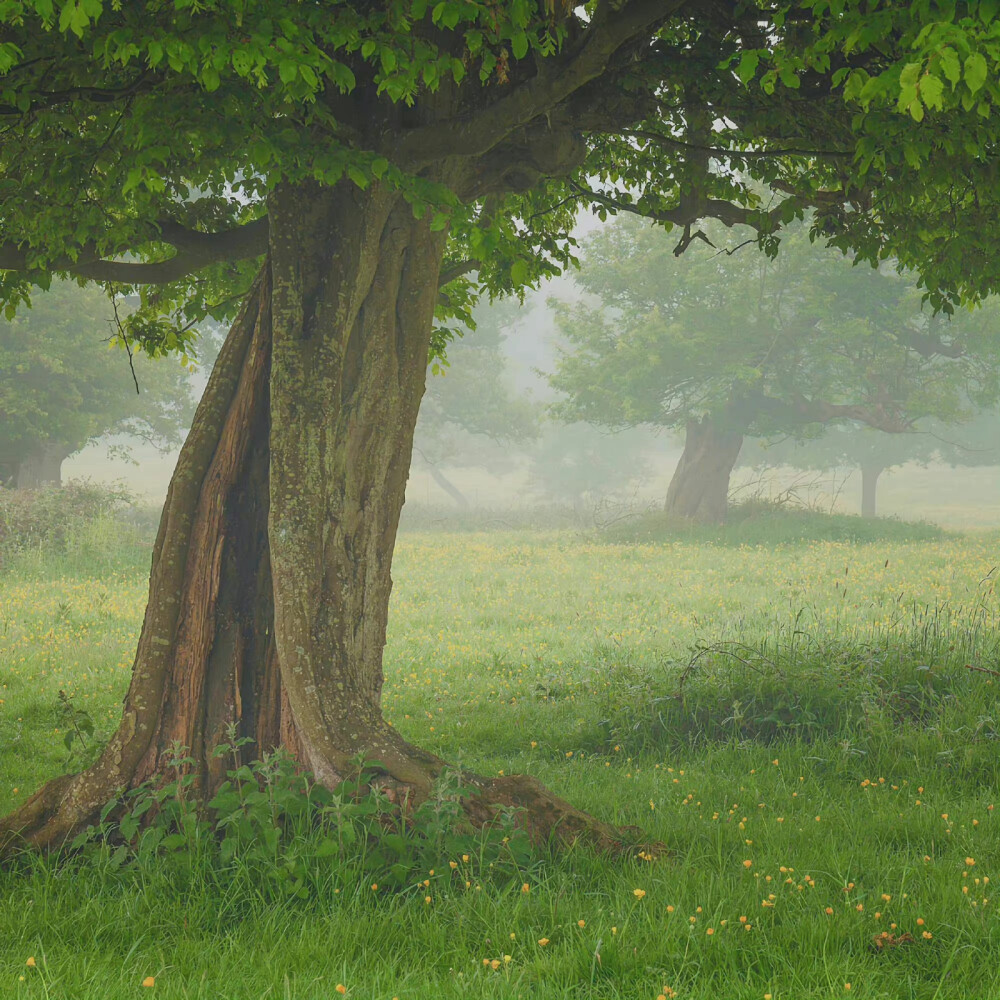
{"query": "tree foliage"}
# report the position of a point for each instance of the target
(851, 446)
(186, 116)
(763, 347)
(61, 386)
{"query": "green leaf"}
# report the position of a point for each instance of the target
(950, 65)
(747, 68)
(133, 180)
(975, 71)
(519, 44)
(210, 78)
(74, 17)
(519, 273)
(358, 176)
(932, 91)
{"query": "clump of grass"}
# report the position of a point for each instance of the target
(80, 527)
(761, 523)
(924, 670)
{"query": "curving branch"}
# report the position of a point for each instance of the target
(877, 416)
(195, 250)
(668, 142)
(457, 270)
(44, 99)
(692, 208)
(614, 24)
(929, 345)
(881, 415)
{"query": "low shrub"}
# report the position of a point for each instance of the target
(271, 830)
(91, 523)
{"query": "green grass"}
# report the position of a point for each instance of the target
(720, 696)
(760, 522)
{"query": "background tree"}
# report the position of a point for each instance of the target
(61, 388)
(857, 447)
(471, 413)
(584, 465)
(358, 159)
(730, 345)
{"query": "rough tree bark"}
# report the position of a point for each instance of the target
(699, 488)
(870, 472)
(270, 582)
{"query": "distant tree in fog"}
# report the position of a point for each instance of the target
(582, 464)
(730, 345)
(63, 387)
(872, 452)
(471, 415)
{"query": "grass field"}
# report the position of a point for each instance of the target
(797, 722)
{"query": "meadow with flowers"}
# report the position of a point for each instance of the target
(807, 731)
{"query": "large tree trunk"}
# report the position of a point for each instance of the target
(699, 488)
(42, 467)
(870, 472)
(270, 584)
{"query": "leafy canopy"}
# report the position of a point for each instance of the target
(975, 443)
(141, 140)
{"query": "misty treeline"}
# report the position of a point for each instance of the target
(717, 359)
(807, 362)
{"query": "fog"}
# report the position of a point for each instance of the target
(499, 435)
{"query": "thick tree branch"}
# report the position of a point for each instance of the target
(97, 95)
(876, 415)
(881, 416)
(721, 151)
(689, 210)
(557, 79)
(928, 345)
(195, 250)
(457, 270)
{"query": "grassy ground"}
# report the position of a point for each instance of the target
(797, 722)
